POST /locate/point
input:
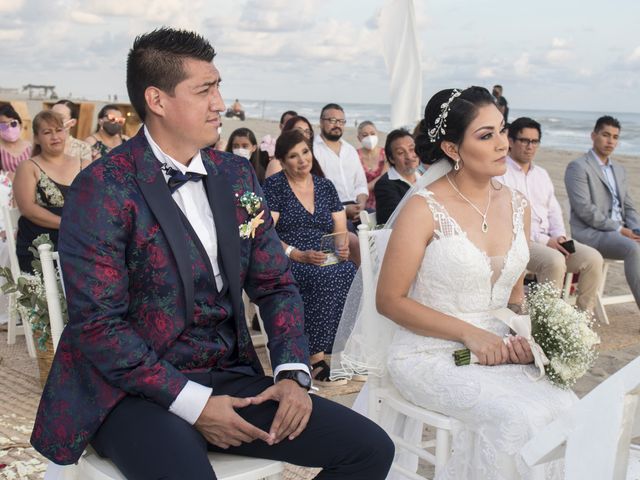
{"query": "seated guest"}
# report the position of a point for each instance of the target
(549, 257)
(340, 162)
(389, 190)
(41, 184)
(74, 147)
(13, 149)
(306, 207)
(303, 125)
(286, 116)
(603, 215)
(243, 143)
(108, 135)
(372, 159)
(235, 110)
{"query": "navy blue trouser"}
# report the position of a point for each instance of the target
(146, 441)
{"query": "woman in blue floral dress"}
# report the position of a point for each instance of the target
(305, 207)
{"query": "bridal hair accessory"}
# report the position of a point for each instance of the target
(485, 225)
(251, 203)
(441, 120)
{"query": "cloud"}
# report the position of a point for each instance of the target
(13, 34)
(86, 18)
(558, 55)
(11, 6)
(277, 15)
(559, 43)
(634, 57)
(486, 72)
(521, 66)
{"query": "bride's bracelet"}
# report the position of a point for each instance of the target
(518, 308)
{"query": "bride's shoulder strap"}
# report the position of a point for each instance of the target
(519, 203)
(444, 225)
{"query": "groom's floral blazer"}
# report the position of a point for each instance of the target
(130, 289)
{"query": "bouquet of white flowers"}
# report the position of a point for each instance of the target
(562, 332)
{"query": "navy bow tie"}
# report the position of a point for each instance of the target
(178, 179)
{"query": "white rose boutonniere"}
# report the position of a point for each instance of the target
(252, 203)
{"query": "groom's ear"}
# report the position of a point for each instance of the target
(450, 149)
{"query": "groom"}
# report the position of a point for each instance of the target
(157, 242)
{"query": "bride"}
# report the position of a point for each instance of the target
(458, 251)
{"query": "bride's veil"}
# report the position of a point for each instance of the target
(363, 335)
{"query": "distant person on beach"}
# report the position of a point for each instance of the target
(108, 134)
(74, 147)
(13, 149)
(286, 116)
(340, 162)
(243, 143)
(372, 158)
(236, 110)
(603, 214)
(503, 105)
(550, 257)
(403, 174)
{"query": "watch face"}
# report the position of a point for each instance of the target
(303, 379)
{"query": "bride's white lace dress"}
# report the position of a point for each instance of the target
(500, 406)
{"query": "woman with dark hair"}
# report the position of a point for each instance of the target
(13, 149)
(108, 133)
(456, 256)
(243, 143)
(42, 183)
(306, 209)
(300, 123)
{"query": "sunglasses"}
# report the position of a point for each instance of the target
(113, 119)
(8, 125)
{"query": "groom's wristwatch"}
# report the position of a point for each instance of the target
(301, 377)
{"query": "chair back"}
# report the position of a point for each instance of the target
(10, 218)
(595, 435)
(51, 275)
(368, 219)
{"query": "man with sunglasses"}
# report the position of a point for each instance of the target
(339, 160)
(551, 253)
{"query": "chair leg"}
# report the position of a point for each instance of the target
(12, 326)
(443, 448)
(28, 336)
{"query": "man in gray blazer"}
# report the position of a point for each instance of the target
(602, 212)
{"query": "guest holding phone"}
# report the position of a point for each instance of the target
(552, 254)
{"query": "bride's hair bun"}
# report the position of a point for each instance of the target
(461, 110)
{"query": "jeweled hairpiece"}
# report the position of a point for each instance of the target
(441, 120)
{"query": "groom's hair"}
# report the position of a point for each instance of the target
(156, 60)
(458, 111)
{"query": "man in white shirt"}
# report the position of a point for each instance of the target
(340, 162)
(603, 214)
(156, 365)
(550, 256)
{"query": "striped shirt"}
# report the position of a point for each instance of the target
(10, 162)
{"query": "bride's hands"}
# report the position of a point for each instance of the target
(519, 350)
(488, 347)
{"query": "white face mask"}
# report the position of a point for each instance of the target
(369, 142)
(242, 152)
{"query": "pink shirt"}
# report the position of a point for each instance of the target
(536, 185)
(9, 162)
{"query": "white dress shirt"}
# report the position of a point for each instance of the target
(393, 174)
(344, 170)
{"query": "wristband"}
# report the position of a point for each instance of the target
(288, 250)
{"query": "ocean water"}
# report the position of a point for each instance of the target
(565, 130)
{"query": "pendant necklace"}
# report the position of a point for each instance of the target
(485, 225)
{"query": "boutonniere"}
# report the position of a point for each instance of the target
(252, 204)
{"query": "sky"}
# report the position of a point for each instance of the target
(562, 54)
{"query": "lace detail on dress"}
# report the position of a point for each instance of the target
(500, 407)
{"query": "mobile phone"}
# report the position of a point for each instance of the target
(636, 231)
(568, 246)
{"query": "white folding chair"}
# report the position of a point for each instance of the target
(368, 219)
(10, 218)
(602, 300)
(382, 393)
(594, 437)
(91, 466)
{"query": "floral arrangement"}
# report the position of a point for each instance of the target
(31, 303)
(251, 203)
(563, 333)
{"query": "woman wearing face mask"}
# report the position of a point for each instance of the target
(13, 149)
(243, 143)
(41, 184)
(74, 147)
(109, 132)
(372, 158)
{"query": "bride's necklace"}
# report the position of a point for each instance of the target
(485, 225)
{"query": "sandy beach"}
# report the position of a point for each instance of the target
(20, 390)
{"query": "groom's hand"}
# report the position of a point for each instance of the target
(293, 412)
(220, 425)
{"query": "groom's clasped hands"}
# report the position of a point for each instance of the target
(222, 426)
(494, 350)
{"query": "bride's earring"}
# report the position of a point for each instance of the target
(456, 167)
